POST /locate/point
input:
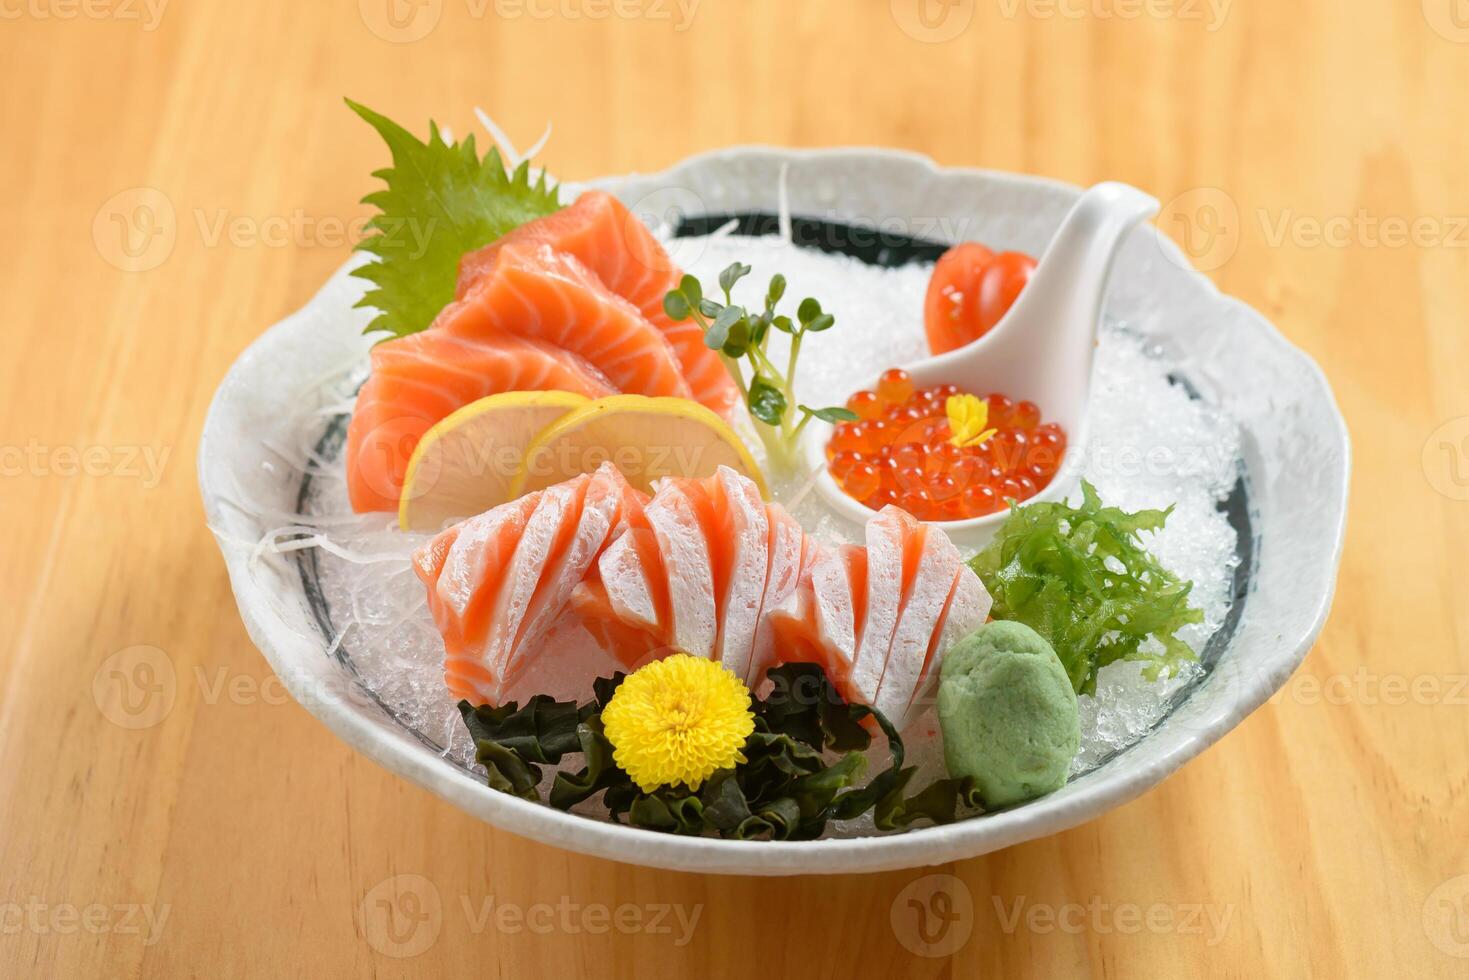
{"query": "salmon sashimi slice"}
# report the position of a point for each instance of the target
(534, 291)
(938, 601)
(607, 502)
(817, 621)
(463, 570)
(927, 596)
(423, 378)
(740, 537)
(602, 234)
(887, 573)
(623, 600)
(631, 645)
(790, 551)
(499, 582)
(545, 537)
(697, 579)
(631, 573)
(967, 609)
(674, 515)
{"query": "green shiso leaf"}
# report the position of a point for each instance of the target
(441, 200)
(1081, 578)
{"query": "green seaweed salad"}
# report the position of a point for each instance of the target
(1081, 578)
(802, 762)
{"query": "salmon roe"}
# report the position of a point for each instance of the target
(899, 452)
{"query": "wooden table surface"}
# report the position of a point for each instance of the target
(177, 177)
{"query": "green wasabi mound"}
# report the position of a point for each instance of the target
(1008, 713)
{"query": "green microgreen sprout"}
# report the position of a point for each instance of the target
(742, 339)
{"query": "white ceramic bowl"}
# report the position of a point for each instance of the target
(1296, 459)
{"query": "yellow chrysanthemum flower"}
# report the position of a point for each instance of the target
(678, 721)
(968, 417)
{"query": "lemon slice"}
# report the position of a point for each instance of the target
(466, 463)
(646, 438)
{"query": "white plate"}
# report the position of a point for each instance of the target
(1296, 458)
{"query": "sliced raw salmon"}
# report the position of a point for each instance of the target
(916, 583)
(532, 290)
(603, 235)
(790, 552)
(631, 645)
(740, 532)
(498, 582)
(703, 567)
(935, 563)
(676, 516)
(420, 379)
(820, 621)
(696, 578)
(609, 505)
(966, 611)
(887, 569)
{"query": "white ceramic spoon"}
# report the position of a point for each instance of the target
(1040, 351)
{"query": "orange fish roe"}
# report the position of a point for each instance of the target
(899, 452)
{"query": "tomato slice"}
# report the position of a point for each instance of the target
(971, 290)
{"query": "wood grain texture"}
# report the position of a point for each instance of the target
(1325, 836)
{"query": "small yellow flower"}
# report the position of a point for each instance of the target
(678, 721)
(968, 417)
